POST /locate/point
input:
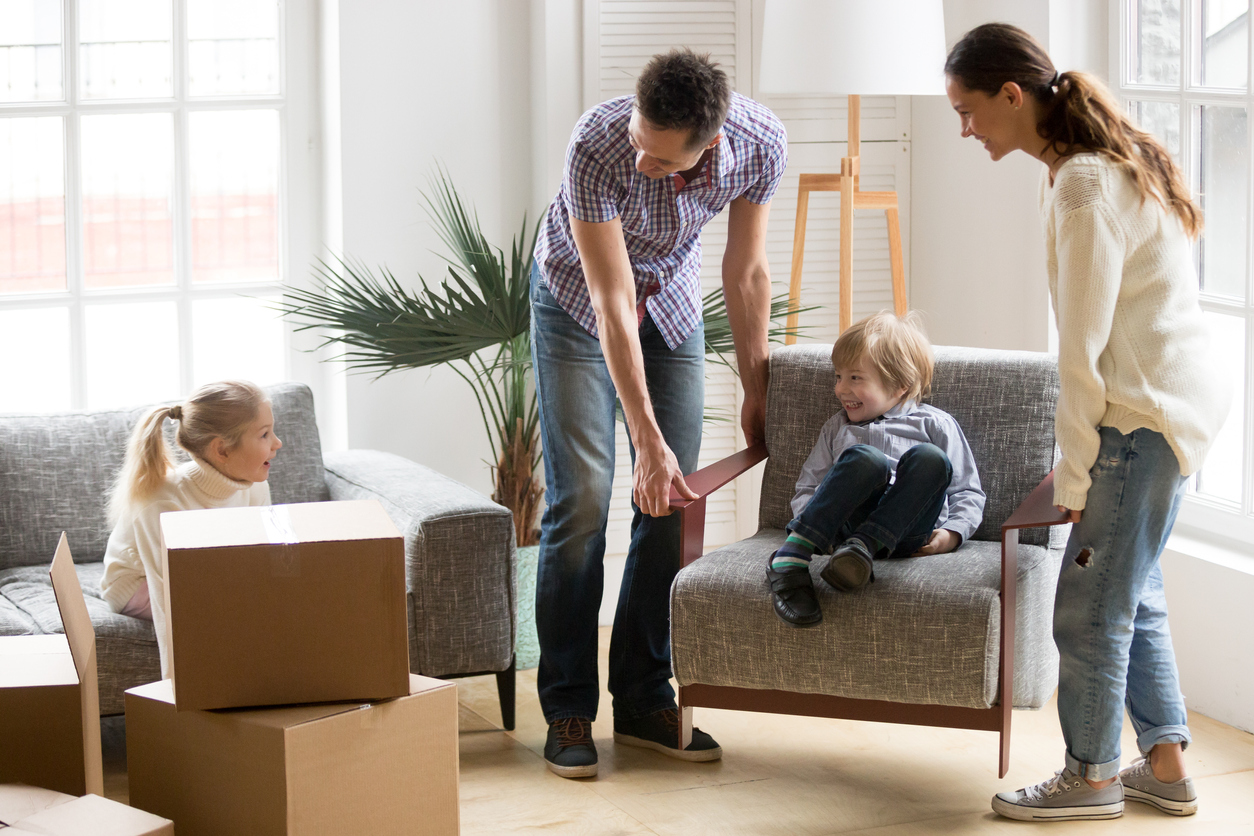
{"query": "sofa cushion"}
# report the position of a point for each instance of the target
(56, 471)
(1003, 400)
(126, 648)
(925, 631)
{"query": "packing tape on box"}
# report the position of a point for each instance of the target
(283, 562)
(371, 718)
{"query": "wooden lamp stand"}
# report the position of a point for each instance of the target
(851, 198)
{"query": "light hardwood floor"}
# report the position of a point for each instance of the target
(792, 775)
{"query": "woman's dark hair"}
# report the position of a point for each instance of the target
(685, 91)
(1080, 113)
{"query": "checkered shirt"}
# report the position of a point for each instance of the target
(662, 228)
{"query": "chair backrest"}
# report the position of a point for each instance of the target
(56, 471)
(1003, 400)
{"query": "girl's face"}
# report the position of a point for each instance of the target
(993, 120)
(249, 461)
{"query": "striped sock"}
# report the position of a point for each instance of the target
(795, 552)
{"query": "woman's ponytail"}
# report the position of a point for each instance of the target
(146, 464)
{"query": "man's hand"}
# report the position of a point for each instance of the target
(656, 470)
(1073, 514)
(942, 541)
(753, 417)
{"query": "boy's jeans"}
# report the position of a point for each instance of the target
(1110, 613)
(855, 497)
(577, 402)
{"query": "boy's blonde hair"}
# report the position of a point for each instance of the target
(895, 346)
(216, 410)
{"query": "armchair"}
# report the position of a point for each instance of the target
(951, 640)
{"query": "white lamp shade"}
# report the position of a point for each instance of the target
(861, 47)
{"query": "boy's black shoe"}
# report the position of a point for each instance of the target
(792, 593)
(849, 568)
(660, 731)
(569, 750)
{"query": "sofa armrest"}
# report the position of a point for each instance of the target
(704, 482)
(459, 559)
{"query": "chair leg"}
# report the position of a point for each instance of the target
(685, 721)
(505, 691)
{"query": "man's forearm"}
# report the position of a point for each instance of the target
(748, 297)
(620, 344)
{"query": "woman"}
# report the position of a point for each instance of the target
(1137, 410)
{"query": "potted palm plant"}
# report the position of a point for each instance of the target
(478, 323)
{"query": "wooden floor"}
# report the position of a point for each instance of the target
(791, 775)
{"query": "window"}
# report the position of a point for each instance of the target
(142, 209)
(1185, 76)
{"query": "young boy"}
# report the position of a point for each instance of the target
(888, 477)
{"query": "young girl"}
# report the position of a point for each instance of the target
(228, 428)
(1139, 406)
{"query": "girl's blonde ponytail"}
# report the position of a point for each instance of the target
(146, 465)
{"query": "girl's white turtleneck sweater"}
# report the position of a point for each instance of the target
(1133, 348)
(135, 549)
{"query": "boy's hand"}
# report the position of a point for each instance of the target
(942, 540)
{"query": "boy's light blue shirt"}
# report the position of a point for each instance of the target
(893, 433)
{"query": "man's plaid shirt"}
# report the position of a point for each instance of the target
(662, 228)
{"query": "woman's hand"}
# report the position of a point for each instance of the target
(1073, 515)
(942, 540)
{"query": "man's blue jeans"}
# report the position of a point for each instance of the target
(577, 406)
(855, 498)
(1110, 612)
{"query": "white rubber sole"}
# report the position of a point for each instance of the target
(1167, 805)
(587, 771)
(1090, 812)
(701, 756)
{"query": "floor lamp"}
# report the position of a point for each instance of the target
(859, 48)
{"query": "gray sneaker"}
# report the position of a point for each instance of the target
(1065, 797)
(1139, 784)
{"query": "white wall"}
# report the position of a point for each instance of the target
(422, 82)
(977, 255)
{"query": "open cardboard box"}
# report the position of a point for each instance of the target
(49, 697)
(383, 768)
(285, 604)
(32, 810)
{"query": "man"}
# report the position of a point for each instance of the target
(616, 314)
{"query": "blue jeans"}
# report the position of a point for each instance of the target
(855, 498)
(577, 406)
(1110, 613)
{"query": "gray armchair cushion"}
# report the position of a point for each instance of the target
(926, 631)
(459, 555)
(1003, 400)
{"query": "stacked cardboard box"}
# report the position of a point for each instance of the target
(26, 811)
(291, 708)
(49, 698)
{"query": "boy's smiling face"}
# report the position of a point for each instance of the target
(863, 393)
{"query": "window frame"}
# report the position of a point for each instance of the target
(298, 192)
(1200, 514)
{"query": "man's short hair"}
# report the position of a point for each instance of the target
(895, 346)
(682, 90)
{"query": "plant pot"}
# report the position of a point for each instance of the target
(527, 643)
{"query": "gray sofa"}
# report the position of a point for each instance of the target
(55, 471)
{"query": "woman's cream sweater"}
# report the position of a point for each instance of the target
(1132, 344)
(135, 550)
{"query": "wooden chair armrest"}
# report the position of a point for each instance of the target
(704, 482)
(710, 478)
(1037, 510)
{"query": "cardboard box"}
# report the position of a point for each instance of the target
(285, 604)
(383, 768)
(31, 810)
(49, 697)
